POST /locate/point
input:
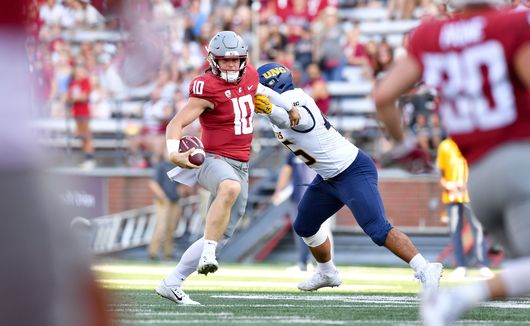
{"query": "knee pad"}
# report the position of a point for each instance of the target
(317, 239)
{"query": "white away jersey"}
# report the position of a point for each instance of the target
(314, 140)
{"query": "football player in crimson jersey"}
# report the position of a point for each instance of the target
(222, 99)
(478, 62)
(345, 176)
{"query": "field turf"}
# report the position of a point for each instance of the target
(264, 294)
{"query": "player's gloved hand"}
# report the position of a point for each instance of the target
(262, 104)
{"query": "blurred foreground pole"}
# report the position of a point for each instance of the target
(45, 277)
(143, 47)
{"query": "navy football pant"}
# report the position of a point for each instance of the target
(355, 187)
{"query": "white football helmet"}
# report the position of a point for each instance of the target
(227, 45)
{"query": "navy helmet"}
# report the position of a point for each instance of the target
(276, 77)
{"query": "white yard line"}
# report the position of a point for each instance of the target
(346, 322)
(372, 299)
(194, 284)
(347, 272)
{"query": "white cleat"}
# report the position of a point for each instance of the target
(430, 276)
(440, 308)
(174, 294)
(319, 280)
(207, 264)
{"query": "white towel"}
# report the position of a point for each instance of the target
(187, 177)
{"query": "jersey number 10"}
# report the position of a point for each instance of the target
(243, 113)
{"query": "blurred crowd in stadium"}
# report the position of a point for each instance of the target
(318, 40)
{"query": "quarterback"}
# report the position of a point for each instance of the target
(345, 176)
(222, 99)
(478, 61)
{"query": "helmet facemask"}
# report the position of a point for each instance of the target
(230, 76)
(227, 45)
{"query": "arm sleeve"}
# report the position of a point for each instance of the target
(275, 97)
(280, 118)
(199, 89)
(413, 51)
(524, 38)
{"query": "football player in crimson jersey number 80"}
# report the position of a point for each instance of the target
(478, 62)
(222, 99)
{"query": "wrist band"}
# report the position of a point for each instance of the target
(172, 145)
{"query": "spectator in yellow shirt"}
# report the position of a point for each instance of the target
(454, 173)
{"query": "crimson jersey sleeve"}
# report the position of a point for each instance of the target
(215, 90)
(199, 89)
(523, 20)
(418, 41)
(411, 47)
(12, 13)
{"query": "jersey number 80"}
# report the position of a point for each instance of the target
(464, 78)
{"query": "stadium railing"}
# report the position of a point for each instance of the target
(135, 227)
(107, 133)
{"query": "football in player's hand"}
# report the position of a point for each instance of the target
(197, 156)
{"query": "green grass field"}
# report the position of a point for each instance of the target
(265, 294)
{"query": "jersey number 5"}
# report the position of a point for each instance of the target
(308, 159)
(243, 113)
(476, 81)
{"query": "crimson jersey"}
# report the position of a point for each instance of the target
(227, 129)
(13, 13)
(469, 60)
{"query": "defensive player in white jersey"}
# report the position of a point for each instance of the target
(345, 176)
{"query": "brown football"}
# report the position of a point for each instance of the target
(197, 156)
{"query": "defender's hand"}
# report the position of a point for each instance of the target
(181, 159)
(294, 116)
(262, 104)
